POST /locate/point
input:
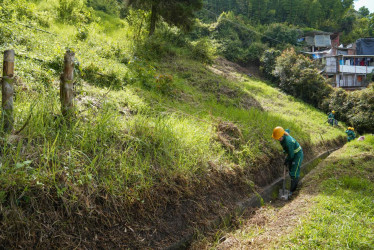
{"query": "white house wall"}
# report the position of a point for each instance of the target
(356, 69)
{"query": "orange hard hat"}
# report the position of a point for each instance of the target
(278, 132)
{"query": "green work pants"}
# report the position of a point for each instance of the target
(350, 138)
(295, 164)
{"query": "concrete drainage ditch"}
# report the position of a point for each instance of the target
(267, 194)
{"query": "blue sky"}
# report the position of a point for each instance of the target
(367, 3)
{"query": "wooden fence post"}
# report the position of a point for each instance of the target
(66, 85)
(8, 90)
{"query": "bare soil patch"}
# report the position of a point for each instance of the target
(233, 70)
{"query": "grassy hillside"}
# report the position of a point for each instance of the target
(154, 128)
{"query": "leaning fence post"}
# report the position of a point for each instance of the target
(66, 85)
(8, 90)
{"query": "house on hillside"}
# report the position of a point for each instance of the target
(351, 67)
(319, 44)
(348, 67)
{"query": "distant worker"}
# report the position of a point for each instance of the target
(331, 119)
(351, 134)
(294, 153)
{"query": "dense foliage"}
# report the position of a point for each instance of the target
(298, 76)
(355, 108)
(281, 34)
(268, 60)
(327, 14)
(235, 40)
(175, 12)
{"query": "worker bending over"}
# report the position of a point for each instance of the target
(350, 133)
(294, 153)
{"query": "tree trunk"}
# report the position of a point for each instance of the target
(8, 90)
(66, 86)
(154, 13)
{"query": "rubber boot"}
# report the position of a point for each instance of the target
(294, 182)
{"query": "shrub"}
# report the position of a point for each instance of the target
(234, 39)
(141, 72)
(268, 60)
(169, 42)
(98, 76)
(82, 33)
(154, 48)
(338, 102)
(356, 108)
(201, 30)
(164, 42)
(203, 50)
(23, 10)
(279, 34)
(253, 53)
(73, 11)
(298, 76)
(165, 84)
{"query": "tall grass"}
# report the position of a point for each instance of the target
(128, 134)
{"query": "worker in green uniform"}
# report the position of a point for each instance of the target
(294, 153)
(350, 133)
(331, 118)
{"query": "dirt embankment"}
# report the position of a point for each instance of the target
(169, 213)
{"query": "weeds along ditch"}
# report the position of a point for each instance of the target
(342, 211)
(333, 208)
(153, 141)
(257, 200)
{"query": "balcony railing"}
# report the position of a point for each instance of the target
(352, 69)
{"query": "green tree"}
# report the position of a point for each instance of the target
(324, 14)
(235, 40)
(363, 11)
(371, 25)
(361, 28)
(180, 13)
(315, 13)
(268, 60)
(280, 34)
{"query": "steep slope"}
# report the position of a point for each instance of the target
(157, 147)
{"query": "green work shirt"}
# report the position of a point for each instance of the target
(351, 135)
(290, 147)
(331, 116)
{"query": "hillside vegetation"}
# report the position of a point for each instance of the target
(163, 132)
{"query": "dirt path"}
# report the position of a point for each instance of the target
(269, 223)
